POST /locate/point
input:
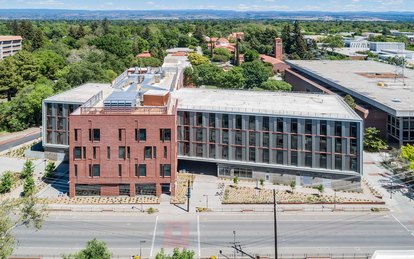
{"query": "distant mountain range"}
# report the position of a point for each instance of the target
(59, 14)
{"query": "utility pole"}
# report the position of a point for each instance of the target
(239, 249)
(188, 196)
(275, 221)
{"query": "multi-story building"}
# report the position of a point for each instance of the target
(131, 137)
(122, 146)
(10, 45)
(380, 46)
(384, 94)
(274, 136)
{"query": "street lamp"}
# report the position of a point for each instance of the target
(205, 195)
(140, 247)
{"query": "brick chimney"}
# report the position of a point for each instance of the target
(278, 49)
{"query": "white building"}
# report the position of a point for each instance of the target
(381, 46)
(10, 45)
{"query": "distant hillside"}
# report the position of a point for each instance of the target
(58, 14)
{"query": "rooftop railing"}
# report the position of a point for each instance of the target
(124, 110)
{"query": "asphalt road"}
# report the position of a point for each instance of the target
(207, 234)
(19, 141)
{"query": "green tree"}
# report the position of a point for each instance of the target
(221, 55)
(407, 152)
(147, 62)
(372, 140)
(255, 73)
(276, 85)
(95, 249)
(29, 186)
(140, 45)
(197, 59)
(251, 55)
(333, 42)
(113, 44)
(6, 182)
(28, 170)
(288, 41)
(207, 74)
(50, 168)
(233, 78)
(10, 80)
(293, 185)
(49, 62)
(177, 254)
(300, 44)
(350, 101)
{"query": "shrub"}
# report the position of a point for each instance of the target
(6, 182)
(261, 182)
(236, 180)
(28, 170)
(50, 168)
(151, 210)
(29, 186)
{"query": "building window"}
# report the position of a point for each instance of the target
(294, 158)
(108, 152)
(186, 116)
(294, 125)
(338, 145)
(252, 123)
(338, 129)
(252, 154)
(265, 124)
(154, 152)
(121, 153)
(323, 144)
(142, 170)
(96, 135)
(265, 156)
(199, 134)
(142, 134)
(165, 152)
(308, 143)
(279, 140)
(354, 164)
(239, 122)
(136, 134)
(76, 134)
(148, 152)
(294, 142)
(322, 161)
(165, 170)
(199, 119)
(225, 138)
(94, 152)
(186, 148)
(279, 125)
(199, 150)
(77, 153)
(76, 170)
(308, 126)
(212, 151)
(90, 134)
(323, 128)
(212, 120)
(120, 134)
(187, 133)
(238, 137)
(90, 170)
(353, 130)
(96, 170)
(225, 152)
(279, 157)
(119, 170)
(266, 139)
(308, 159)
(128, 152)
(252, 138)
(225, 121)
(212, 137)
(84, 152)
(165, 134)
(353, 148)
(338, 162)
(239, 153)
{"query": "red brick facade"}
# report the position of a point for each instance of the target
(121, 131)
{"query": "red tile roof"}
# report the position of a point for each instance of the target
(6, 38)
(145, 54)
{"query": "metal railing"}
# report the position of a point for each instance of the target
(144, 110)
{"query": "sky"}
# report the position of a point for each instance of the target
(240, 5)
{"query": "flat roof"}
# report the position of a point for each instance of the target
(81, 94)
(262, 102)
(392, 95)
(7, 38)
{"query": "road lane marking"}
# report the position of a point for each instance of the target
(401, 223)
(198, 235)
(153, 236)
